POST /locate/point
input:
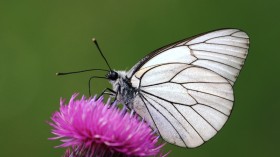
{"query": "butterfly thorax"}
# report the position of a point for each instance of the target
(125, 92)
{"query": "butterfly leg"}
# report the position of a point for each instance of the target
(116, 95)
(89, 82)
(111, 93)
(108, 91)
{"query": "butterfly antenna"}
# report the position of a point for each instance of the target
(73, 72)
(95, 42)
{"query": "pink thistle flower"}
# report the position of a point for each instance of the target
(91, 128)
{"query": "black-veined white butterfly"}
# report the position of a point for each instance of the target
(184, 90)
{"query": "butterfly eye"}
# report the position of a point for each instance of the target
(112, 75)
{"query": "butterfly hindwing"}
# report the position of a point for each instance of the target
(186, 111)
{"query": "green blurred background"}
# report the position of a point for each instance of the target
(39, 38)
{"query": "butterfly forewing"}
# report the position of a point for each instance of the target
(185, 89)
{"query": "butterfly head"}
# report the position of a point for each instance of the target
(112, 75)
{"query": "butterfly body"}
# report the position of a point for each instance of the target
(122, 86)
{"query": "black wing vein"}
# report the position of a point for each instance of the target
(166, 119)
(206, 93)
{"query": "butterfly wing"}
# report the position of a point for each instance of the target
(185, 89)
(222, 51)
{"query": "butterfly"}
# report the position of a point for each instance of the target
(184, 90)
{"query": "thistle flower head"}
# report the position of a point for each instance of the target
(89, 127)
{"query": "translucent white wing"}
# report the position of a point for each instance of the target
(185, 89)
(185, 103)
(222, 51)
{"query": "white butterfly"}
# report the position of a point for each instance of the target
(184, 90)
